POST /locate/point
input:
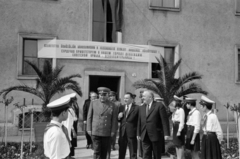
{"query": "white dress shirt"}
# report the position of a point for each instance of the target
(194, 119)
(69, 122)
(56, 145)
(179, 116)
(213, 125)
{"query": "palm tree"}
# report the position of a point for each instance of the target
(48, 83)
(166, 85)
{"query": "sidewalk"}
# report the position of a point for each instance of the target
(80, 152)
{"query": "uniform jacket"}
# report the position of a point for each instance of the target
(102, 118)
(156, 123)
(128, 124)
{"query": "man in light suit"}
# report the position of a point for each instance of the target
(128, 118)
(101, 123)
(153, 126)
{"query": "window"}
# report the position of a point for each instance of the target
(171, 55)
(171, 5)
(103, 25)
(28, 50)
(237, 64)
(237, 7)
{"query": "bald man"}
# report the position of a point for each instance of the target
(153, 125)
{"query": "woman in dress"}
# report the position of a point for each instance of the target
(212, 132)
(178, 117)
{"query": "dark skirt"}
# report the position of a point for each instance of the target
(178, 140)
(210, 147)
(188, 145)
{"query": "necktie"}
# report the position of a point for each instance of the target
(147, 109)
(65, 131)
(127, 110)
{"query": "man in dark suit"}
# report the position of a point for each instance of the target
(153, 125)
(101, 123)
(128, 118)
(87, 102)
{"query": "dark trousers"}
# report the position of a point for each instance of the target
(88, 137)
(124, 141)
(100, 146)
(150, 148)
(113, 140)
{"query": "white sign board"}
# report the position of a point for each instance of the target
(98, 51)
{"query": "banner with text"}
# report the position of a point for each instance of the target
(98, 51)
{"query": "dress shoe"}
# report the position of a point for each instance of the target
(113, 148)
(87, 146)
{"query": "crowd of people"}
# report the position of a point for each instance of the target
(143, 126)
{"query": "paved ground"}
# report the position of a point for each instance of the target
(80, 153)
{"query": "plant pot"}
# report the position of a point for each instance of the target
(39, 129)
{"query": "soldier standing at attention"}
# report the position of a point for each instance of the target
(101, 123)
(56, 139)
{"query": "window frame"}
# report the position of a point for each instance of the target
(176, 47)
(21, 37)
(165, 8)
(237, 48)
(91, 22)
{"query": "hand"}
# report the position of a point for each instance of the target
(166, 137)
(85, 122)
(112, 134)
(90, 133)
(138, 137)
(178, 133)
(120, 115)
(192, 142)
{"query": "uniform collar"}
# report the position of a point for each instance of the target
(57, 123)
(192, 110)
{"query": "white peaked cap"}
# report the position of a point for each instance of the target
(207, 100)
(177, 98)
(59, 103)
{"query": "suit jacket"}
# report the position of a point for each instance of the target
(156, 123)
(102, 118)
(85, 109)
(128, 124)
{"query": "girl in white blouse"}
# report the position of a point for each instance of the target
(193, 128)
(178, 117)
(212, 132)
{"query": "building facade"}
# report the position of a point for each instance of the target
(204, 34)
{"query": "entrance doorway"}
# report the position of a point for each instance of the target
(111, 82)
(95, 78)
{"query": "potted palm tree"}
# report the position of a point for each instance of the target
(167, 85)
(48, 83)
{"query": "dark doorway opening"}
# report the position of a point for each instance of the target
(111, 82)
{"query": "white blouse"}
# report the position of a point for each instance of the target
(56, 145)
(194, 119)
(179, 116)
(213, 125)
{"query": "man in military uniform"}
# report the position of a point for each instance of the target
(101, 123)
(112, 98)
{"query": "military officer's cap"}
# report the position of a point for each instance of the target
(206, 101)
(103, 90)
(190, 100)
(177, 99)
(112, 93)
(60, 103)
